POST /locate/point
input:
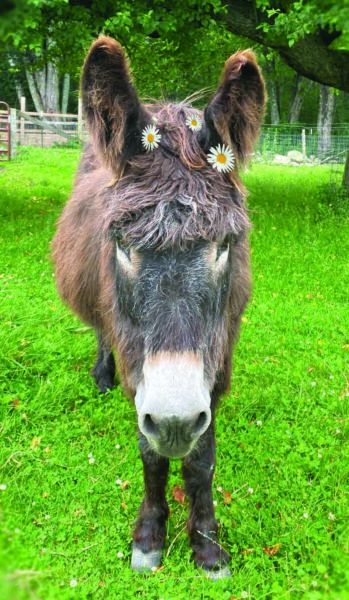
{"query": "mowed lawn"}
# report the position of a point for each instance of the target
(70, 475)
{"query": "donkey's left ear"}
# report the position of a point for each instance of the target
(113, 111)
(235, 113)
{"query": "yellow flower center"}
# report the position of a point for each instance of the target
(194, 122)
(150, 137)
(221, 158)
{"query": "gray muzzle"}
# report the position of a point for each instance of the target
(173, 402)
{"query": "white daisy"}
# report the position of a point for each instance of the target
(221, 158)
(150, 137)
(194, 122)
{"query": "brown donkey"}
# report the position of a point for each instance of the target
(151, 250)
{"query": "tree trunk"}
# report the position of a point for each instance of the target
(300, 88)
(274, 102)
(65, 93)
(51, 83)
(35, 94)
(51, 89)
(325, 118)
(44, 82)
(273, 90)
(44, 88)
(19, 88)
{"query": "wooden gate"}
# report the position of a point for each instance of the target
(5, 132)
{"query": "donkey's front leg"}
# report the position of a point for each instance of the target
(150, 530)
(198, 469)
(104, 369)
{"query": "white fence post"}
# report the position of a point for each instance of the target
(22, 125)
(304, 147)
(80, 118)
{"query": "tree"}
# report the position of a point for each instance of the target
(312, 36)
(38, 32)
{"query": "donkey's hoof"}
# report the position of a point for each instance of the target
(145, 561)
(219, 574)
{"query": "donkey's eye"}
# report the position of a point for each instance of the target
(128, 259)
(126, 250)
(222, 248)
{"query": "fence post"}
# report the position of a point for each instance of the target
(22, 126)
(304, 147)
(13, 132)
(80, 118)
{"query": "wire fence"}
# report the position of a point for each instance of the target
(278, 141)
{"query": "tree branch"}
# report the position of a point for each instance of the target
(310, 56)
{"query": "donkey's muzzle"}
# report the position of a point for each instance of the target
(174, 437)
(173, 402)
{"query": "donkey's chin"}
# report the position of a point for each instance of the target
(173, 451)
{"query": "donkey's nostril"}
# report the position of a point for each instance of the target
(150, 427)
(201, 423)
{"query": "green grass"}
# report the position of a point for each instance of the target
(282, 433)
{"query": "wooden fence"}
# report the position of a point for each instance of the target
(43, 129)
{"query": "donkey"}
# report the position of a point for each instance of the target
(151, 250)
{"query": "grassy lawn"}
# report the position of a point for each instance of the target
(70, 475)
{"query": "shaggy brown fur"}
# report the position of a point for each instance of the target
(158, 199)
(166, 200)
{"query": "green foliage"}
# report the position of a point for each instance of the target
(282, 433)
(297, 19)
(74, 25)
(167, 69)
(174, 50)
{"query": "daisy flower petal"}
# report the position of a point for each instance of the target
(150, 137)
(221, 158)
(194, 122)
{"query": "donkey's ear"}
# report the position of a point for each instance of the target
(113, 111)
(236, 111)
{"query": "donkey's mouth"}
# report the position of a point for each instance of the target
(173, 437)
(172, 451)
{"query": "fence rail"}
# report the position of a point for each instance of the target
(46, 129)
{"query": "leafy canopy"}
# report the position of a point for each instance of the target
(297, 19)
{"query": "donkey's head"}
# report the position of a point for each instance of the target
(175, 215)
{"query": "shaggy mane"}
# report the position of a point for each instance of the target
(171, 195)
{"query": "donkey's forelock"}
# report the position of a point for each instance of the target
(171, 196)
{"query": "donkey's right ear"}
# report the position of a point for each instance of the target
(113, 111)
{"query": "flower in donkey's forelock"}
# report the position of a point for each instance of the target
(221, 158)
(150, 137)
(194, 122)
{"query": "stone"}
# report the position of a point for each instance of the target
(295, 156)
(281, 160)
